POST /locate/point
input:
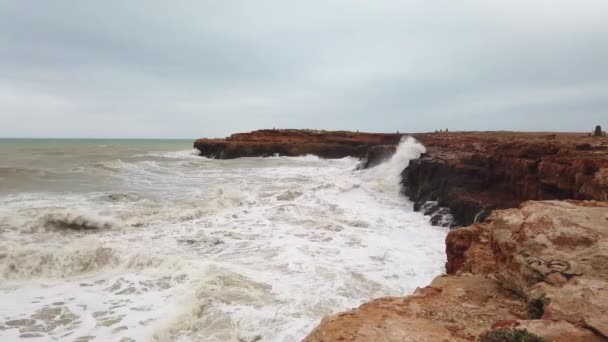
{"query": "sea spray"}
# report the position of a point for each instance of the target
(387, 176)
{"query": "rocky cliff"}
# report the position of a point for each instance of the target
(537, 273)
(521, 271)
(474, 173)
(292, 142)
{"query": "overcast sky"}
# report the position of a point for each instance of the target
(186, 69)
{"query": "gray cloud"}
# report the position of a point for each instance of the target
(208, 68)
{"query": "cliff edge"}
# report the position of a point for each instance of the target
(537, 273)
(475, 173)
(295, 142)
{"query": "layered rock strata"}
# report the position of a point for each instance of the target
(540, 271)
(288, 142)
(475, 173)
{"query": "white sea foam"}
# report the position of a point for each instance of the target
(183, 154)
(113, 164)
(213, 250)
(387, 176)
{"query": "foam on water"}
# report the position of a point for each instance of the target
(186, 248)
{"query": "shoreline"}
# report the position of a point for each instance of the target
(517, 264)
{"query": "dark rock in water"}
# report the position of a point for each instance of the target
(293, 142)
(376, 155)
(598, 131)
(440, 216)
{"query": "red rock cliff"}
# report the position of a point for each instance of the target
(291, 142)
(474, 173)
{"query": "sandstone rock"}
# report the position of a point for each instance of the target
(291, 142)
(557, 253)
(468, 250)
(542, 268)
(450, 309)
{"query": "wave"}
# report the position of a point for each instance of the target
(68, 261)
(114, 164)
(386, 177)
(17, 171)
(182, 154)
(206, 312)
(36, 220)
(76, 220)
(78, 258)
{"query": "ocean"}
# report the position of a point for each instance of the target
(144, 240)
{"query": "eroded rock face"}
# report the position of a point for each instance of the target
(290, 142)
(541, 268)
(475, 173)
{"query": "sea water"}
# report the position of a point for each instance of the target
(144, 240)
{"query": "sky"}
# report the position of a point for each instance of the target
(188, 69)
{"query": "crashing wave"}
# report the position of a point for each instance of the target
(183, 154)
(76, 220)
(387, 176)
(28, 263)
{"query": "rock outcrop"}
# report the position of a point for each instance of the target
(598, 131)
(539, 272)
(475, 173)
(291, 142)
